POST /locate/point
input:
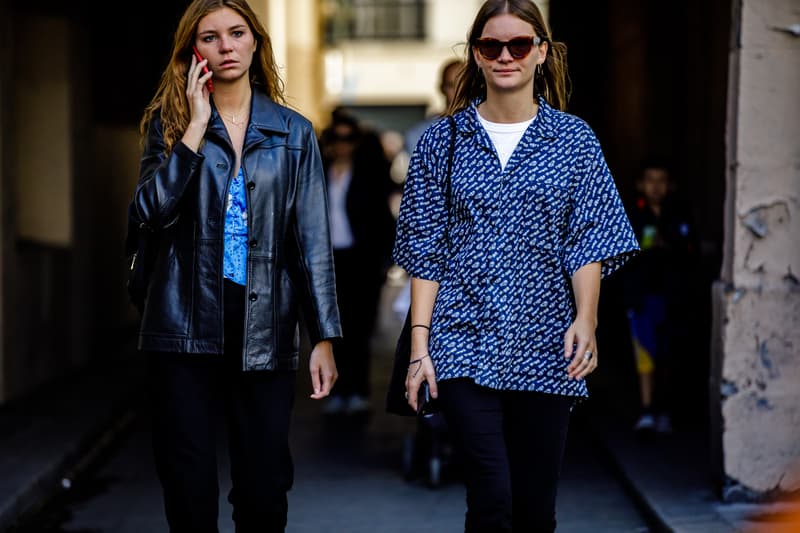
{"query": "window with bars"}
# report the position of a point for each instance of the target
(373, 19)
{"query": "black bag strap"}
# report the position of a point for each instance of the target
(448, 189)
(395, 400)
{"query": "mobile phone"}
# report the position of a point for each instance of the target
(427, 406)
(209, 83)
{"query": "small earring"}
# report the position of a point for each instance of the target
(539, 70)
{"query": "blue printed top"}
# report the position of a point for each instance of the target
(506, 249)
(235, 255)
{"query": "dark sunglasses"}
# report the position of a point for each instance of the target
(518, 47)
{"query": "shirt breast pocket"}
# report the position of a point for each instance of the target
(543, 217)
(539, 260)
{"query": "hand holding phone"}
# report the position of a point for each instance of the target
(427, 405)
(209, 83)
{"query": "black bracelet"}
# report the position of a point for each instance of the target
(421, 326)
(418, 360)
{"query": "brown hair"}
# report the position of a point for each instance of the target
(170, 99)
(552, 83)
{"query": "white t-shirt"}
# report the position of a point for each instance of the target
(505, 137)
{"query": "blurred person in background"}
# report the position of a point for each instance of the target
(657, 284)
(506, 254)
(362, 229)
(394, 146)
(231, 189)
(448, 74)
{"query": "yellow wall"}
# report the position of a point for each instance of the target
(293, 26)
(42, 132)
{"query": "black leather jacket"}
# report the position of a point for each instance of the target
(182, 198)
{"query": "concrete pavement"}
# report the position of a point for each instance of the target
(49, 438)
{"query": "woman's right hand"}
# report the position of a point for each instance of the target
(199, 103)
(420, 365)
(420, 368)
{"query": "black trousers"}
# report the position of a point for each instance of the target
(512, 445)
(189, 391)
(358, 291)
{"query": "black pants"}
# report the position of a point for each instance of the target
(187, 392)
(358, 291)
(512, 444)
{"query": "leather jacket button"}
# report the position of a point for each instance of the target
(253, 297)
(251, 185)
(253, 243)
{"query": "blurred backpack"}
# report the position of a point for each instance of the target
(141, 246)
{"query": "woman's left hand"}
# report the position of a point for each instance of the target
(323, 369)
(580, 345)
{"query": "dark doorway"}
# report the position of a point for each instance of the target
(651, 79)
(128, 57)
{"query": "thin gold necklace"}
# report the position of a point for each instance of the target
(238, 123)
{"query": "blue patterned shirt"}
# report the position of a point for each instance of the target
(506, 250)
(235, 256)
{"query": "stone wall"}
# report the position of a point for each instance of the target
(758, 306)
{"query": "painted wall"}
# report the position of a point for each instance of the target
(42, 128)
(758, 308)
(380, 72)
(40, 328)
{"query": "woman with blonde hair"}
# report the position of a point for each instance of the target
(506, 239)
(232, 193)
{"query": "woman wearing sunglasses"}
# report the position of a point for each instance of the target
(506, 243)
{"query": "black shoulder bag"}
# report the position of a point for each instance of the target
(140, 251)
(396, 402)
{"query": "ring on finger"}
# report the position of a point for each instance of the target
(587, 355)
